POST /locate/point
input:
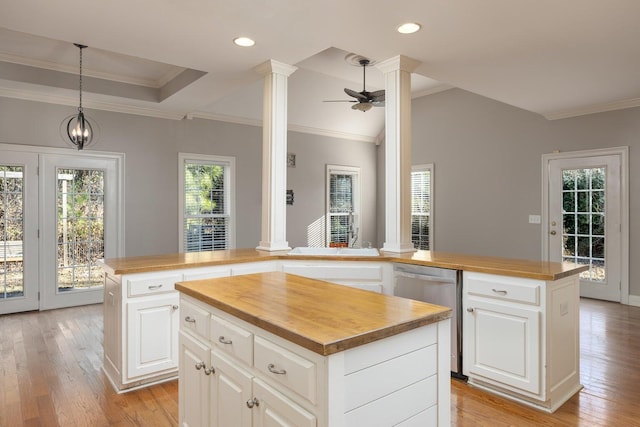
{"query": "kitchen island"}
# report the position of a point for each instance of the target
(535, 304)
(280, 349)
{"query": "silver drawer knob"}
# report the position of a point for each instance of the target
(470, 309)
(253, 402)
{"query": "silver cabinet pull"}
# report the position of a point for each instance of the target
(209, 371)
(200, 365)
(470, 309)
(253, 402)
(224, 341)
(154, 287)
(175, 306)
(188, 319)
(501, 292)
(272, 368)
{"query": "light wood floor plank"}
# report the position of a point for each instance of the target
(50, 375)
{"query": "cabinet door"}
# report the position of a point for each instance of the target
(502, 343)
(152, 335)
(274, 409)
(194, 384)
(230, 391)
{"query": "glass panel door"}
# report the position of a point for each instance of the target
(79, 225)
(18, 232)
(584, 223)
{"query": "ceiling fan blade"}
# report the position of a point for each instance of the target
(377, 96)
(339, 100)
(356, 95)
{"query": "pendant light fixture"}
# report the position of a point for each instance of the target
(78, 129)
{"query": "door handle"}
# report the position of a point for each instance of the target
(552, 232)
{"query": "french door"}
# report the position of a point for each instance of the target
(585, 223)
(18, 232)
(61, 213)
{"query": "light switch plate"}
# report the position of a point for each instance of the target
(534, 219)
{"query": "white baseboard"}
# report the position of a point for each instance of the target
(634, 300)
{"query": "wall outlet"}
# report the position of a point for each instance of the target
(534, 219)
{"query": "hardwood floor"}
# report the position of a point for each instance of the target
(50, 375)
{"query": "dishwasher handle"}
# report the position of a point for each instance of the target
(425, 277)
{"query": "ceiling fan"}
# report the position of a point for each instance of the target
(364, 100)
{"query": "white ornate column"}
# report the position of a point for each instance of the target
(397, 75)
(274, 155)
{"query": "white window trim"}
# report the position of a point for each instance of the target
(431, 168)
(358, 217)
(230, 194)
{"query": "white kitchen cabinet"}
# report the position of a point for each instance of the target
(231, 390)
(141, 322)
(218, 385)
(194, 385)
(276, 410)
(259, 379)
(152, 338)
(521, 337)
(370, 276)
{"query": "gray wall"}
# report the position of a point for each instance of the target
(487, 160)
(151, 146)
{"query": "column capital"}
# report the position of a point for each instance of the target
(400, 62)
(274, 67)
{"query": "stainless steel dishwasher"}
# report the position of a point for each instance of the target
(440, 286)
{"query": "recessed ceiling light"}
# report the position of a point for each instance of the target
(409, 28)
(244, 41)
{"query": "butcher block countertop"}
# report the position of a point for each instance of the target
(317, 315)
(541, 270)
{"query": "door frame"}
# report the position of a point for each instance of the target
(623, 153)
(119, 227)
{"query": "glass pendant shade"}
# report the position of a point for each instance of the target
(362, 106)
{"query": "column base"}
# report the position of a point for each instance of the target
(398, 247)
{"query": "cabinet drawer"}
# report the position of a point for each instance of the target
(152, 284)
(336, 272)
(503, 288)
(232, 339)
(289, 369)
(194, 319)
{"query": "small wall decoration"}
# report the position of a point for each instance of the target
(289, 197)
(291, 160)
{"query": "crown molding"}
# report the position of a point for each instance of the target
(88, 104)
(592, 109)
(87, 72)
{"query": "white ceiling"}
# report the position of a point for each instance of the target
(172, 58)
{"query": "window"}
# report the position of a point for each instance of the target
(343, 205)
(207, 202)
(421, 206)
